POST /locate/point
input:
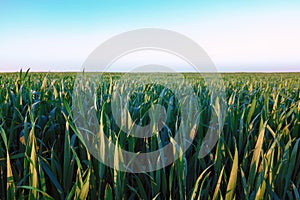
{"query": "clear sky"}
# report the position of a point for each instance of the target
(52, 35)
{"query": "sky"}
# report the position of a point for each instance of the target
(239, 36)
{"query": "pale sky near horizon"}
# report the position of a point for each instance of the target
(241, 36)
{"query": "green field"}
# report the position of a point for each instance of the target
(257, 155)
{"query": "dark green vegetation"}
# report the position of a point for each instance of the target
(257, 155)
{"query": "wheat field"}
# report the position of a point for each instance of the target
(257, 156)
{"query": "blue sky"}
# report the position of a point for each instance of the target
(237, 35)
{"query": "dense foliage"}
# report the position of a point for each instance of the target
(257, 155)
